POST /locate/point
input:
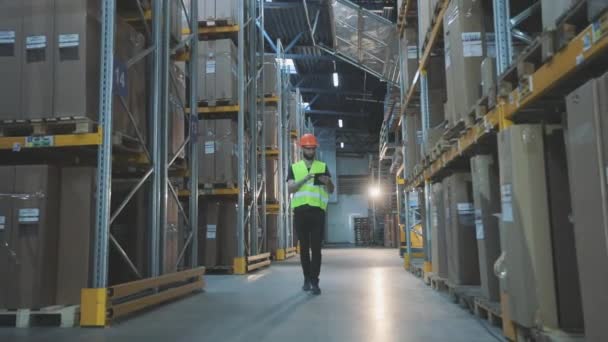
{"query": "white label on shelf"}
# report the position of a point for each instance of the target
(69, 40)
(2, 222)
(448, 55)
(29, 215)
(210, 67)
(211, 231)
(210, 147)
(472, 44)
(35, 42)
(7, 37)
(479, 225)
(507, 203)
(412, 52)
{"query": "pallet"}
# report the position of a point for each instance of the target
(454, 130)
(49, 126)
(464, 295)
(219, 270)
(490, 311)
(126, 142)
(53, 316)
(217, 103)
(437, 283)
(212, 186)
(216, 22)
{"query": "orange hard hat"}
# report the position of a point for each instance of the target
(308, 140)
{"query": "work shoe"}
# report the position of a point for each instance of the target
(316, 290)
(306, 286)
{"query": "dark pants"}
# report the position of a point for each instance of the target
(310, 227)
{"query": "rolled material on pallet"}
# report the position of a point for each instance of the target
(525, 229)
(486, 195)
(438, 235)
(586, 165)
(463, 261)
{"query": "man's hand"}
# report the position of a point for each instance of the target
(309, 177)
(324, 179)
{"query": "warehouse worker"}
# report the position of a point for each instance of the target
(310, 182)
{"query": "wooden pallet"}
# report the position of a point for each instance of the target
(464, 295)
(490, 311)
(53, 316)
(216, 22)
(211, 186)
(437, 283)
(49, 126)
(220, 270)
(217, 103)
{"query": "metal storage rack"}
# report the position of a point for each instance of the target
(577, 57)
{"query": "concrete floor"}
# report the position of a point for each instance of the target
(367, 296)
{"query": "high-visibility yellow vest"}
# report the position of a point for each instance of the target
(309, 194)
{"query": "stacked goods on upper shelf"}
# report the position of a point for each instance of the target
(216, 12)
(437, 97)
(409, 65)
(412, 157)
(552, 10)
(467, 42)
(218, 75)
(269, 85)
(426, 13)
(439, 232)
(587, 162)
(271, 128)
(595, 8)
(272, 180)
(218, 158)
(51, 63)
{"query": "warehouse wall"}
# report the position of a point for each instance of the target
(340, 218)
(327, 153)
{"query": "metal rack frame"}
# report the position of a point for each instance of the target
(157, 151)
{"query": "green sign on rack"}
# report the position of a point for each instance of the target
(39, 141)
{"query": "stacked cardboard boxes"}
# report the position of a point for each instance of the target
(218, 75)
(218, 151)
(211, 11)
(49, 52)
(438, 232)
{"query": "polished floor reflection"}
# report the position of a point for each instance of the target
(367, 296)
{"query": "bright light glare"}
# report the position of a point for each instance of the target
(287, 64)
(341, 145)
(374, 191)
(340, 123)
(336, 80)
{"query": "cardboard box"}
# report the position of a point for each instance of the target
(552, 10)
(218, 76)
(438, 232)
(212, 10)
(7, 253)
(206, 154)
(38, 59)
(586, 152)
(76, 224)
(463, 260)
(465, 48)
(271, 66)
(271, 128)
(11, 58)
(227, 232)
(209, 215)
(488, 75)
(272, 180)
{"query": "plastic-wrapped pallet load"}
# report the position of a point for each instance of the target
(525, 229)
(270, 75)
(412, 144)
(271, 127)
(227, 232)
(463, 262)
(217, 12)
(595, 8)
(465, 48)
(11, 59)
(218, 75)
(29, 231)
(410, 55)
(439, 230)
(552, 10)
(217, 151)
(272, 180)
(587, 162)
(209, 212)
(486, 195)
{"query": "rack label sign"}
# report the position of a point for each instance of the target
(35, 42)
(211, 231)
(120, 78)
(7, 37)
(69, 40)
(39, 141)
(210, 147)
(2, 222)
(479, 225)
(210, 67)
(506, 202)
(412, 52)
(29, 215)
(472, 44)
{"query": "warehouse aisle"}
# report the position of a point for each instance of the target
(367, 296)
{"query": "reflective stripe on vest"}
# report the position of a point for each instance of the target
(309, 194)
